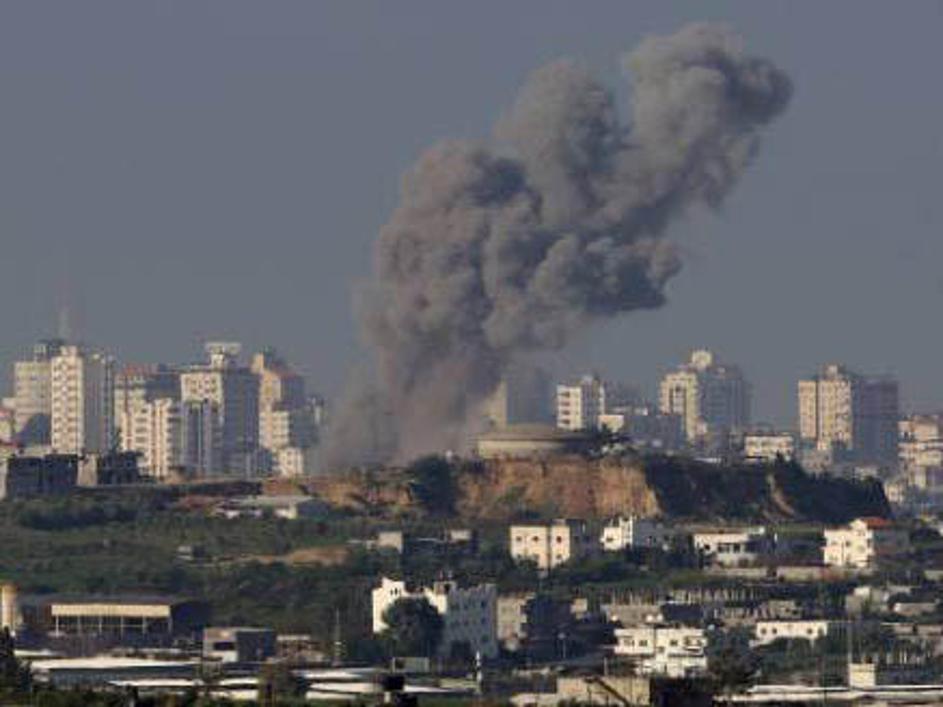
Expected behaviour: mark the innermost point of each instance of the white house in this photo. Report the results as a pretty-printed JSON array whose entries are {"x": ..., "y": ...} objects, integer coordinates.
[
  {"x": 550, "y": 545},
  {"x": 865, "y": 543},
  {"x": 766, "y": 632},
  {"x": 734, "y": 547},
  {"x": 469, "y": 614},
  {"x": 672, "y": 651},
  {"x": 633, "y": 532}
]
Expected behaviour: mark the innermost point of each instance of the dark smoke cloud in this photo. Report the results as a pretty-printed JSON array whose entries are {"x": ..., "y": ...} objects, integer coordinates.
[{"x": 509, "y": 247}]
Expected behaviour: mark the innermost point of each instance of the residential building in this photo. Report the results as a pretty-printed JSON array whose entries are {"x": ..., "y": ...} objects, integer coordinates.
[
  {"x": 202, "y": 444},
  {"x": 530, "y": 441},
  {"x": 843, "y": 412},
  {"x": 234, "y": 390},
  {"x": 645, "y": 426},
  {"x": 550, "y": 545},
  {"x": 469, "y": 615},
  {"x": 238, "y": 644},
  {"x": 632, "y": 532},
  {"x": 7, "y": 423},
  {"x": 82, "y": 398},
  {"x": 764, "y": 447},
  {"x": 712, "y": 399},
  {"x": 920, "y": 450},
  {"x": 766, "y": 632},
  {"x": 580, "y": 404},
  {"x": 32, "y": 394},
  {"x": 111, "y": 469},
  {"x": 286, "y": 507},
  {"x": 155, "y": 430},
  {"x": 293, "y": 462},
  {"x": 865, "y": 543},
  {"x": 733, "y": 547},
  {"x": 33, "y": 477},
  {"x": 668, "y": 650},
  {"x": 139, "y": 385},
  {"x": 531, "y": 624}
]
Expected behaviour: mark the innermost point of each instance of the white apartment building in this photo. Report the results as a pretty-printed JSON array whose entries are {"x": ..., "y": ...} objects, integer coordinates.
[
  {"x": 32, "y": 394},
  {"x": 710, "y": 398},
  {"x": 733, "y": 547},
  {"x": 550, "y": 545},
  {"x": 82, "y": 400},
  {"x": 468, "y": 614},
  {"x": 920, "y": 448},
  {"x": 767, "y": 447},
  {"x": 235, "y": 392},
  {"x": 293, "y": 462},
  {"x": 865, "y": 543},
  {"x": 139, "y": 384},
  {"x": 580, "y": 405},
  {"x": 840, "y": 410},
  {"x": 766, "y": 632},
  {"x": 670, "y": 651},
  {"x": 155, "y": 430},
  {"x": 633, "y": 532}
]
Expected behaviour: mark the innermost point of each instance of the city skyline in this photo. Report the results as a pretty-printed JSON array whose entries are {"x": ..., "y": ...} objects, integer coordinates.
[{"x": 255, "y": 269}]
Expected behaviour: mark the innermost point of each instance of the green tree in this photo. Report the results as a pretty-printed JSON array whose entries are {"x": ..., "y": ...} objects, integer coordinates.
[
  {"x": 414, "y": 627},
  {"x": 15, "y": 678}
]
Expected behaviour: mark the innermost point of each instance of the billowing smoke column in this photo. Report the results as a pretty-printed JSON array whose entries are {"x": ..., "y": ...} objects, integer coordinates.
[{"x": 505, "y": 248}]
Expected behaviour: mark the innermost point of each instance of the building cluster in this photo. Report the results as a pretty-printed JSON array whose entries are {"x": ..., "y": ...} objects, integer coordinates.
[{"x": 213, "y": 418}]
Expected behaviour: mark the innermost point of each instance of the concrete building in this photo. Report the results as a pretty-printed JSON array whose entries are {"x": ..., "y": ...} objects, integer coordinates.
[
  {"x": 764, "y": 447},
  {"x": 920, "y": 449},
  {"x": 286, "y": 507},
  {"x": 645, "y": 426},
  {"x": 286, "y": 420},
  {"x": 530, "y": 441},
  {"x": 34, "y": 477},
  {"x": 293, "y": 462},
  {"x": 733, "y": 547},
  {"x": 632, "y": 532},
  {"x": 550, "y": 545},
  {"x": 7, "y": 422},
  {"x": 126, "y": 619},
  {"x": 712, "y": 399},
  {"x": 580, "y": 404},
  {"x": 238, "y": 644},
  {"x": 202, "y": 443},
  {"x": 111, "y": 469},
  {"x": 845, "y": 413},
  {"x": 234, "y": 390},
  {"x": 155, "y": 430},
  {"x": 766, "y": 632},
  {"x": 82, "y": 399},
  {"x": 32, "y": 394},
  {"x": 671, "y": 651},
  {"x": 469, "y": 615},
  {"x": 865, "y": 543}
]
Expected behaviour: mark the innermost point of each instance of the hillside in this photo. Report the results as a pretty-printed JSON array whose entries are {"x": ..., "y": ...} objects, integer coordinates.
[{"x": 503, "y": 490}]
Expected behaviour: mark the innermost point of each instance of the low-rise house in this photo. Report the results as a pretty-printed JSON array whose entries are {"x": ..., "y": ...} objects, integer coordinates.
[
  {"x": 238, "y": 644},
  {"x": 550, "y": 545},
  {"x": 865, "y": 543},
  {"x": 767, "y": 632},
  {"x": 287, "y": 507},
  {"x": 633, "y": 532},
  {"x": 733, "y": 547},
  {"x": 659, "y": 649},
  {"x": 531, "y": 624},
  {"x": 111, "y": 469},
  {"x": 768, "y": 446},
  {"x": 469, "y": 614}
]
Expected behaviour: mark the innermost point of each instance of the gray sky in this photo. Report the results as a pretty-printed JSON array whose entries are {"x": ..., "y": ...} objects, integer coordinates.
[{"x": 192, "y": 170}]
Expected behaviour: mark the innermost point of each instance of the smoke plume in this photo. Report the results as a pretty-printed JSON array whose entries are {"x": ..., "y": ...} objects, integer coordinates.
[{"x": 511, "y": 246}]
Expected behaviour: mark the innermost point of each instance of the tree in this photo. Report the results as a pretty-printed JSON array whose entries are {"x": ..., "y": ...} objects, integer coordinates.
[
  {"x": 414, "y": 627},
  {"x": 14, "y": 676},
  {"x": 732, "y": 663}
]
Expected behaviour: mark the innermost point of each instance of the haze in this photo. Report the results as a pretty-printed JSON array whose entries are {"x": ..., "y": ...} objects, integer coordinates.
[{"x": 181, "y": 171}]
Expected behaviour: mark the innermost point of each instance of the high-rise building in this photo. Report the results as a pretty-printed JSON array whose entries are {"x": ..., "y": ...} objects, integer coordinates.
[
  {"x": 579, "y": 405},
  {"x": 32, "y": 394},
  {"x": 843, "y": 412},
  {"x": 202, "y": 438},
  {"x": 711, "y": 398},
  {"x": 286, "y": 420},
  {"x": 139, "y": 384},
  {"x": 234, "y": 390},
  {"x": 82, "y": 401},
  {"x": 155, "y": 430}
]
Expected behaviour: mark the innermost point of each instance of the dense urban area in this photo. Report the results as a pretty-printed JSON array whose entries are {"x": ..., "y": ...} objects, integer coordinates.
[{"x": 171, "y": 537}]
